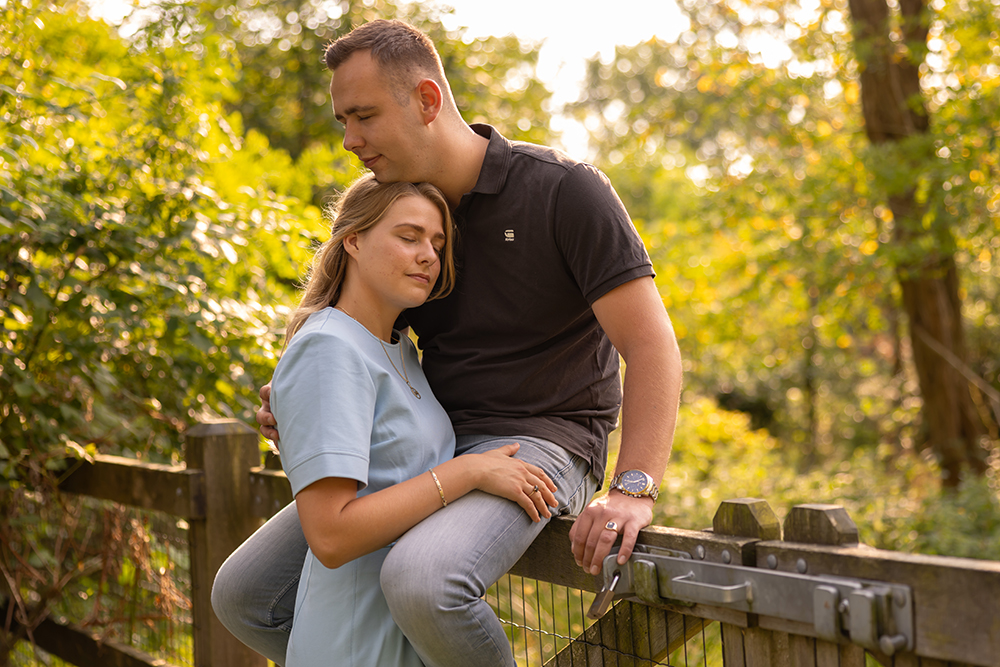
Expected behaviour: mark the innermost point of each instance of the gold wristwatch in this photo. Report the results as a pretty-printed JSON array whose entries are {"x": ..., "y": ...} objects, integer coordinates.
[{"x": 635, "y": 483}]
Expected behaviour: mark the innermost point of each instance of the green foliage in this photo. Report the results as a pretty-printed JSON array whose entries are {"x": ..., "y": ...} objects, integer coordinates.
[
  {"x": 740, "y": 151},
  {"x": 141, "y": 271},
  {"x": 892, "y": 495}
]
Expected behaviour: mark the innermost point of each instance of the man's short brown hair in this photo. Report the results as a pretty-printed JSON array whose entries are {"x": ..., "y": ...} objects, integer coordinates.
[{"x": 402, "y": 52}]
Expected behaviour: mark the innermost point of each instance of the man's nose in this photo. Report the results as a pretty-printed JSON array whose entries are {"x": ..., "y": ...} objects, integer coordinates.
[{"x": 352, "y": 138}]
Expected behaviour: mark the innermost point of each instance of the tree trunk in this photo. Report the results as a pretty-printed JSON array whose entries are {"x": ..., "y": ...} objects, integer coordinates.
[{"x": 894, "y": 114}]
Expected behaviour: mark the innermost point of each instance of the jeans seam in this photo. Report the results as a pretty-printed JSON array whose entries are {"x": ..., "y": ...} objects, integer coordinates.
[
  {"x": 475, "y": 567},
  {"x": 287, "y": 627},
  {"x": 581, "y": 486}
]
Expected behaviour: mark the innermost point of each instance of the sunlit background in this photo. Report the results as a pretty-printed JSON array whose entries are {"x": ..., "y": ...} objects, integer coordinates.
[{"x": 569, "y": 32}]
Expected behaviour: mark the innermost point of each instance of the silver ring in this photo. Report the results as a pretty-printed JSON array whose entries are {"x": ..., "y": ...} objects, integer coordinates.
[
  {"x": 534, "y": 490},
  {"x": 611, "y": 525}
]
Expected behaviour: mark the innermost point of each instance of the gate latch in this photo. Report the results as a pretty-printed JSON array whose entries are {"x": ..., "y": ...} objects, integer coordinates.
[{"x": 876, "y": 615}]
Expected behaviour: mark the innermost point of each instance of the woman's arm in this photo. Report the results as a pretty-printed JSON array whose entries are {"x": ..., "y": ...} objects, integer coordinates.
[{"x": 340, "y": 526}]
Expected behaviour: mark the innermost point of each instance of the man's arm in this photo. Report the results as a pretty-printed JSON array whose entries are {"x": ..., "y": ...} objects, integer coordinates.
[{"x": 633, "y": 317}]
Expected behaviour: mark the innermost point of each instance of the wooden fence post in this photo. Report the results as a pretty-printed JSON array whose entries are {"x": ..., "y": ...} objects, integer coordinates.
[
  {"x": 829, "y": 525},
  {"x": 751, "y": 646},
  {"x": 225, "y": 451}
]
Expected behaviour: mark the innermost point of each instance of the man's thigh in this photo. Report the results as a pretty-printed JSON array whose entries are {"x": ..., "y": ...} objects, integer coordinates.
[{"x": 477, "y": 538}]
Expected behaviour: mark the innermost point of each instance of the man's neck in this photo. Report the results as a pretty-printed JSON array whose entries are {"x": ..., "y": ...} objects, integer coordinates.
[{"x": 461, "y": 161}]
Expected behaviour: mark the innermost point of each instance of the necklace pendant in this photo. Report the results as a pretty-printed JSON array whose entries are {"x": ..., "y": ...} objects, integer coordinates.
[{"x": 415, "y": 392}]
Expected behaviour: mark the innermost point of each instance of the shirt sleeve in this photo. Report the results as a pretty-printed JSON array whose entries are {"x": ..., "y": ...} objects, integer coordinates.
[
  {"x": 595, "y": 234},
  {"x": 323, "y": 398}
]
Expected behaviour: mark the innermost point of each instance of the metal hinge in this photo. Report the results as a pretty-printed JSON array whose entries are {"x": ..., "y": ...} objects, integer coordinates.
[{"x": 874, "y": 614}]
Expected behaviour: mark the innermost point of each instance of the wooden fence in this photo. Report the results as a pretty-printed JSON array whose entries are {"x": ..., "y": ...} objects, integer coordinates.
[{"x": 951, "y": 605}]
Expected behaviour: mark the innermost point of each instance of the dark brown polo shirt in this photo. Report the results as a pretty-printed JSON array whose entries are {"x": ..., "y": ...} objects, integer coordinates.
[{"x": 515, "y": 349}]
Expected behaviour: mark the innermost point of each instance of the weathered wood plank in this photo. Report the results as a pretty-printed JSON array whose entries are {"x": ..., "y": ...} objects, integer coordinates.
[
  {"x": 747, "y": 517},
  {"x": 765, "y": 648},
  {"x": 820, "y": 524},
  {"x": 903, "y": 660},
  {"x": 802, "y": 651},
  {"x": 78, "y": 647},
  {"x": 269, "y": 490},
  {"x": 852, "y": 656},
  {"x": 732, "y": 646},
  {"x": 171, "y": 489},
  {"x": 827, "y": 654},
  {"x": 956, "y": 609}
]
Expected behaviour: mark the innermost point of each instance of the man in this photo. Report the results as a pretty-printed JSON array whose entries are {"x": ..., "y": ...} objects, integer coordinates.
[{"x": 553, "y": 284}]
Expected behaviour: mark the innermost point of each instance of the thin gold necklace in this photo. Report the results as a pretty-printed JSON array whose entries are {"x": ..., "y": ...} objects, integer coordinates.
[{"x": 402, "y": 360}]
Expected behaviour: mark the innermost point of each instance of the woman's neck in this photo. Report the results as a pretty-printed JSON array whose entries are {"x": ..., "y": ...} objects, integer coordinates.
[{"x": 378, "y": 321}]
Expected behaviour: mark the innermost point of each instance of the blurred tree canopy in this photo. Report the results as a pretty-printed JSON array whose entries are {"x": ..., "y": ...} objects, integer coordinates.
[{"x": 803, "y": 261}]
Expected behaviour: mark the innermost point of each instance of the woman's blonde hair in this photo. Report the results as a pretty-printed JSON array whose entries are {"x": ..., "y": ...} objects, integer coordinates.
[{"x": 358, "y": 209}]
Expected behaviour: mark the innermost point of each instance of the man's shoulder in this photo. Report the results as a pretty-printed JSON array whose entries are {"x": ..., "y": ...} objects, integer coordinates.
[
  {"x": 522, "y": 166},
  {"x": 550, "y": 167},
  {"x": 545, "y": 154}
]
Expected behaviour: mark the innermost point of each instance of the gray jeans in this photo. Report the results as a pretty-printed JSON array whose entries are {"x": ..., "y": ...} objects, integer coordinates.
[{"x": 433, "y": 579}]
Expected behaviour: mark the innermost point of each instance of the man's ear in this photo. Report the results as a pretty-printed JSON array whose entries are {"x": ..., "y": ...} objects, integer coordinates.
[{"x": 431, "y": 99}]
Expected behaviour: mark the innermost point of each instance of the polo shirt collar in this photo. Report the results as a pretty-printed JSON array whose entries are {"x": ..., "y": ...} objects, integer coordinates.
[{"x": 496, "y": 163}]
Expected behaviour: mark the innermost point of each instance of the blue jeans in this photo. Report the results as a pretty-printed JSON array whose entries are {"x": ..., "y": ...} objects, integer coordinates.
[{"x": 433, "y": 579}]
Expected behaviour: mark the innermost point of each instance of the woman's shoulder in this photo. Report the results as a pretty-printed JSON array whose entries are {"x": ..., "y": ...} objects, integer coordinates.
[
  {"x": 323, "y": 333},
  {"x": 327, "y": 323}
]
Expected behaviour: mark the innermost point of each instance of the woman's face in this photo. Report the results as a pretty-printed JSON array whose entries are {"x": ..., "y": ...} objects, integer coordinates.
[{"x": 399, "y": 259}]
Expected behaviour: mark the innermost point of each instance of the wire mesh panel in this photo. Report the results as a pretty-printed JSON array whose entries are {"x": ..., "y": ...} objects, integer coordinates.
[
  {"x": 547, "y": 626},
  {"x": 134, "y": 582}
]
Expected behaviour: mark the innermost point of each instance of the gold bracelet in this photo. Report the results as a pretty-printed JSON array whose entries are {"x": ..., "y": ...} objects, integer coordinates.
[{"x": 444, "y": 503}]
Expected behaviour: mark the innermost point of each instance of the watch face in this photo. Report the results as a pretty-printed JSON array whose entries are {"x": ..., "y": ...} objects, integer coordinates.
[{"x": 635, "y": 481}]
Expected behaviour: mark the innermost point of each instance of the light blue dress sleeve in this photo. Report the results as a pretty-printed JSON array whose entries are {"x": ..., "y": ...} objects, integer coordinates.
[{"x": 323, "y": 398}]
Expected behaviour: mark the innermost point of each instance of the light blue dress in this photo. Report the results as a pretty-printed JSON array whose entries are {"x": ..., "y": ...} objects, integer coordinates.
[{"x": 345, "y": 412}]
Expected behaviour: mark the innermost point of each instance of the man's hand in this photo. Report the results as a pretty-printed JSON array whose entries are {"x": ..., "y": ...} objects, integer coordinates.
[
  {"x": 592, "y": 540},
  {"x": 264, "y": 416}
]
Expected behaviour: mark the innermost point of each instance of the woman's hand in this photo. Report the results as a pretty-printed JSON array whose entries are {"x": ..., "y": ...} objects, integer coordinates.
[{"x": 500, "y": 474}]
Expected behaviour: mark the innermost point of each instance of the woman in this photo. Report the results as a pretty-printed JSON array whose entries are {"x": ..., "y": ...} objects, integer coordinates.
[{"x": 367, "y": 448}]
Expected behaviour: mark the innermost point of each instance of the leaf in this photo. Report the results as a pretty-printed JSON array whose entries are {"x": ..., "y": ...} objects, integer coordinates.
[{"x": 111, "y": 79}]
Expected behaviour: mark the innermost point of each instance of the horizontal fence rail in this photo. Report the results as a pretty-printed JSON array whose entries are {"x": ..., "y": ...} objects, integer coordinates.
[{"x": 951, "y": 604}]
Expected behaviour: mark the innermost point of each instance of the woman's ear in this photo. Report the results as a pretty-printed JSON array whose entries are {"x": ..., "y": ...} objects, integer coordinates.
[{"x": 351, "y": 244}]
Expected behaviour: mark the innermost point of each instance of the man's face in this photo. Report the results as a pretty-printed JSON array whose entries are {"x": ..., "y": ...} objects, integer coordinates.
[{"x": 384, "y": 134}]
